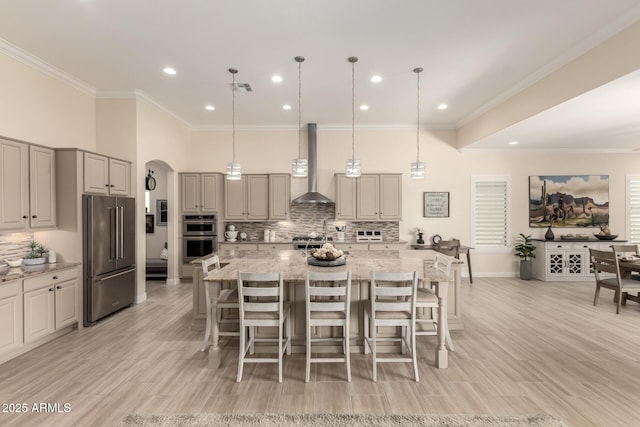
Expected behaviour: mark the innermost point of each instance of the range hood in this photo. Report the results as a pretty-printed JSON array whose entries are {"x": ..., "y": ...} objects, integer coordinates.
[{"x": 312, "y": 196}]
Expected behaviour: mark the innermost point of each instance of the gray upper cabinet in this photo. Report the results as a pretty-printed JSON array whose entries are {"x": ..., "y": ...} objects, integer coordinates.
[
  {"x": 371, "y": 197},
  {"x": 104, "y": 175},
  {"x": 247, "y": 199},
  {"x": 27, "y": 186},
  {"x": 279, "y": 196},
  {"x": 200, "y": 192}
]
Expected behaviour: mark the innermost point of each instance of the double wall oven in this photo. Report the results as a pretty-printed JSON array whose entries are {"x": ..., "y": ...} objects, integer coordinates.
[{"x": 199, "y": 236}]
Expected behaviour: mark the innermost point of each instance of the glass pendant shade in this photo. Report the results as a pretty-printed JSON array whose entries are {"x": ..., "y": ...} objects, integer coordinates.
[
  {"x": 299, "y": 168},
  {"x": 353, "y": 168},
  {"x": 233, "y": 171},
  {"x": 418, "y": 170}
]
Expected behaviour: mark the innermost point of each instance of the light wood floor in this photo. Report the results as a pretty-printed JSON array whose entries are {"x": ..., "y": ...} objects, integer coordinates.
[{"x": 527, "y": 347}]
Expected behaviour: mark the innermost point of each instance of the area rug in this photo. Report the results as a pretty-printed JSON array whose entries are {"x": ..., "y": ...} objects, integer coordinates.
[{"x": 339, "y": 420}]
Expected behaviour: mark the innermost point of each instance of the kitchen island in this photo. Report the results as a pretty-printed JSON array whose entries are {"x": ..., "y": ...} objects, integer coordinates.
[{"x": 293, "y": 265}]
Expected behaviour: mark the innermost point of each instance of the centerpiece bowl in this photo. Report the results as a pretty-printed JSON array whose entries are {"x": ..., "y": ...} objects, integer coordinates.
[
  {"x": 326, "y": 256},
  {"x": 606, "y": 236}
]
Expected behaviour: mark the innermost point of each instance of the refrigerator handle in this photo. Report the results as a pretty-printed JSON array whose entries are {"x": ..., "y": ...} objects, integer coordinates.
[
  {"x": 117, "y": 232},
  {"x": 121, "y": 226},
  {"x": 113, "y": 245}
]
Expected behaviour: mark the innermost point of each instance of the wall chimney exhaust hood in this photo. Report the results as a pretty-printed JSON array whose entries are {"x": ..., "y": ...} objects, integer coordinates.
[{"x": 312, "y": 196}]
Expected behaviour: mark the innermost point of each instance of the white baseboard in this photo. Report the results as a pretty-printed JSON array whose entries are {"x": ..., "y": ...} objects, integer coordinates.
[
  {"x": 173, "y": 282},
  {"x": 141, "y": 298}
]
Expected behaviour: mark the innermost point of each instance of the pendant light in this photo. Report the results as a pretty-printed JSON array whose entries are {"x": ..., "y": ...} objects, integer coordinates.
[
  {"x": 233, "y": 168},
  {"x": 418, "y": 168},
  {"x": 299, "y": 166},
  {"x": 353, "y": 164}
]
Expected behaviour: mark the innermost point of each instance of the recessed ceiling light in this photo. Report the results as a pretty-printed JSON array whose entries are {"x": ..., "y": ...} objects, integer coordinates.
[
  {"x": 443, "y": 107},
  {"x": 514, "y": 142},
  {"x": 376, "y": 79},
  {"x": 364, "y": 107},
  {"x": 170, "y": 71},
  {"x": 276, "y": 79},
  {"x": 286, "y": 107},
  {"x": 210, "y": 107}
]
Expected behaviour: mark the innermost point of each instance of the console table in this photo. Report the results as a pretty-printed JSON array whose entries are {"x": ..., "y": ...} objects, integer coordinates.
[
  {"x": 566, "y": 260},
  {"x": 463, "y": 250}
]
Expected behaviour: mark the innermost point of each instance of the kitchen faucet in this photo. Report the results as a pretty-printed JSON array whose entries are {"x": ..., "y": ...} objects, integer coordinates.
[{"x": 324, "y": 230}]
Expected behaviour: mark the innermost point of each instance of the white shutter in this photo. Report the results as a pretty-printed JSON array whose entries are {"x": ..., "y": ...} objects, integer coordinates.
[
  {"x": 491, "y": 211},
  {"x": 633, "y": 208}
]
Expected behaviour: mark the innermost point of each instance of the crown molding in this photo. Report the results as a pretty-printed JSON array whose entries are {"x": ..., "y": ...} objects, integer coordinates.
[
  {"x": 142, "y": 96},
  {"x": 578, "y": 50},
  {"x": 36, "y": 63},
  {"x": 511, "y": 150},
  {"x": 327, "y": 127}
]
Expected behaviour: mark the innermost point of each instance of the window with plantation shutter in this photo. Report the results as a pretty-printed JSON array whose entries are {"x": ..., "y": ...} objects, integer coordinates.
[
  {"x": 491, "y": 211},
  {"x": 633, "y": 208}
]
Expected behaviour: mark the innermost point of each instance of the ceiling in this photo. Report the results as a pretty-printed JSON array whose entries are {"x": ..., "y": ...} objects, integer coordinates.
[{"x": 474, "y": 54}]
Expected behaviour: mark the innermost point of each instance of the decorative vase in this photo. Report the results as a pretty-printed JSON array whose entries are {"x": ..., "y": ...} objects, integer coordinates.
[
  {"x": 420, "y": 240},
  {"x": 549, "y": 234},
  {"x": 34, "y": 261}
]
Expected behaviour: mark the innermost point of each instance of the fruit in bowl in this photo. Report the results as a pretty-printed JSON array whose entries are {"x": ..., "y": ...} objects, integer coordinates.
[
  {"x": 327, "y": 252},
  {"x": 14, "y": 262}
]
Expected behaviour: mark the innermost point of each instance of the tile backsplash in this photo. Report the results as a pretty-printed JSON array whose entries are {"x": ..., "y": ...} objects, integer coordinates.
[
  {"x": 14, "y": 245},
  {"x": 306, "y": 218}
]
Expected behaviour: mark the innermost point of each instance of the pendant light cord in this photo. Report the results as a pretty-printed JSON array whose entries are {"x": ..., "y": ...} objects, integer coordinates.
[
  {"x": 299, "y": 109},
  {"x": 233, "y": 114},
  {"x": 353, "y": 109},
  {"x": 418, "y": 118}
]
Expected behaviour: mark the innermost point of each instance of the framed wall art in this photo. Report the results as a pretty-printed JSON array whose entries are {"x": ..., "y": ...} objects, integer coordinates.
[
  {"x": 568, "y": 200},
  {"x": 436, "y": 204},
  {"x": 149, "y": 224},
  {"x": 161, "y": 212}
]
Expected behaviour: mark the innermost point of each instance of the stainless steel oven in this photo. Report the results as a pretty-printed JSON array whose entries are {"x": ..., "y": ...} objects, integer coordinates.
[
  {"x": 199, "y": 225},
  {"x": 194, "y": 247},
  {"x": 199, "y": 236}
]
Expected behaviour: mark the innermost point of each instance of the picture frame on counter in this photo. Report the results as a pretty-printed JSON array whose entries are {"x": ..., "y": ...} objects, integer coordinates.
[{"x": 436, "y": 204}]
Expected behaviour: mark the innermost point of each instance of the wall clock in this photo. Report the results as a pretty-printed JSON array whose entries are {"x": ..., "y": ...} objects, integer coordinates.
[
  {"x": 436, "y": 239},
  {"x": 150, "y": 183}
]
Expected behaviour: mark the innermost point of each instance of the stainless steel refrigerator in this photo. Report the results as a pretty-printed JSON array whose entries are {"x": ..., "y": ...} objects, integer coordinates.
[{"x": 109, "y": 255}]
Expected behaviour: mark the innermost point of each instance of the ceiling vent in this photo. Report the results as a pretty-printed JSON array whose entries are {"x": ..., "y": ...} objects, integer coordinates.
[{"x": 241, "y": 87}]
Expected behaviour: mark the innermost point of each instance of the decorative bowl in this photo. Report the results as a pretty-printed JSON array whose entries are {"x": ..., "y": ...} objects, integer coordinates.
[
  {"x": 605, "y": 236},
  {"x": 17, "y": 262},
  {"x": 34, "y": 261}
]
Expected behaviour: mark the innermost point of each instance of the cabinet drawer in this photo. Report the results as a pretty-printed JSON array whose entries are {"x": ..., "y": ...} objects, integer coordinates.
[
  {"x": 10, "y": 289},
  {"x": 275, "y": 246},
  {"x": 552, "y": 246},
  {"x": 352, "y": 246},
  {"x": 237, "y": 247},
  {"x": 386, "y": 246},
  {"x": 584, "y": 246},
  {"x": 49, "y": 279}
]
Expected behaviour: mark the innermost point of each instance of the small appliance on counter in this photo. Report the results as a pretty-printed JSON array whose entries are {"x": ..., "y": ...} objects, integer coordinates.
[
  {"x": 243, "y": 236},
  {"x": 368, "y": 236},
  {"x": 232, "y": 235}
]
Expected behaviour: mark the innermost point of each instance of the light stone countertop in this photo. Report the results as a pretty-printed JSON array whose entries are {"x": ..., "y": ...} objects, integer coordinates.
[
  {"x": 294, "y": 265},
  {"x": 353, "y": 240},
  {"x": 24, "y": 271}
]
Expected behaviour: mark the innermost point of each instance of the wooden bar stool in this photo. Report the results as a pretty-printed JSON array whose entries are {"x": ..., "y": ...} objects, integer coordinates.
[{"x": 427, "y": 299}]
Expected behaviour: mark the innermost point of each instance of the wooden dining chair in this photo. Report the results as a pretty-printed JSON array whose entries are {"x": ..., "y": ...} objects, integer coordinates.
[
  {"x": 226, "y": 299},
  {"x": 327, "y": 302},
  {"x": 604, "y": 262},
  {"x": 449, "y": 247},
  {"x": 262, "y": 304},
  {"x": 392, "y": 303},
  {"x": 426, "y": 299}
]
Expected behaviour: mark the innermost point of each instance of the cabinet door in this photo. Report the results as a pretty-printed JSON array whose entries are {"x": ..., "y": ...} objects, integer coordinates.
[
  {"x": 575, "y": 263},
  {"x": 119, "y": 177},
  {"x": 190, "y": 192},
  {"x": 209, "y": 196},
  {"x": 42, "y": 187},
  {"x": 10, "y": 317},
  {"x": 66, "y": 303},
  {"x": 279, "y": 196},
  {"x": 96, "y": 174},
  {"x": 345, "y": 197},
  {"x": 234, "y": 199},
  {"x": 38, "y": 313},
  {"x": 368, "y": 197},
  {"x": 556, "y": 263},
  {"x": 257, "y": 197},
  {"x": 390, "y": 197},
  {"x": 14, "y": 185}
]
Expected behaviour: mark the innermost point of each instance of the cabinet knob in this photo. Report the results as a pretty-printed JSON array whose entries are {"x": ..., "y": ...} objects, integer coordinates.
[
  {"x": 58, "y": 287},
  {"x": 106, "y": 185},
  {"x": 50, "y": 289},
  {"x": 34, "y": 216},
  {"x": 55, "y": 277},
  {"x": 25, "y": 216},
  {"x": 111, "y": 185}
]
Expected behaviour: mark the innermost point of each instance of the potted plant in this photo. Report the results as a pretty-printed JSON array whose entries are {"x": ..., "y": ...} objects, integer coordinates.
[
  {"x": 36, "y": 254},
  {"x": 524, "y": 250}
]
